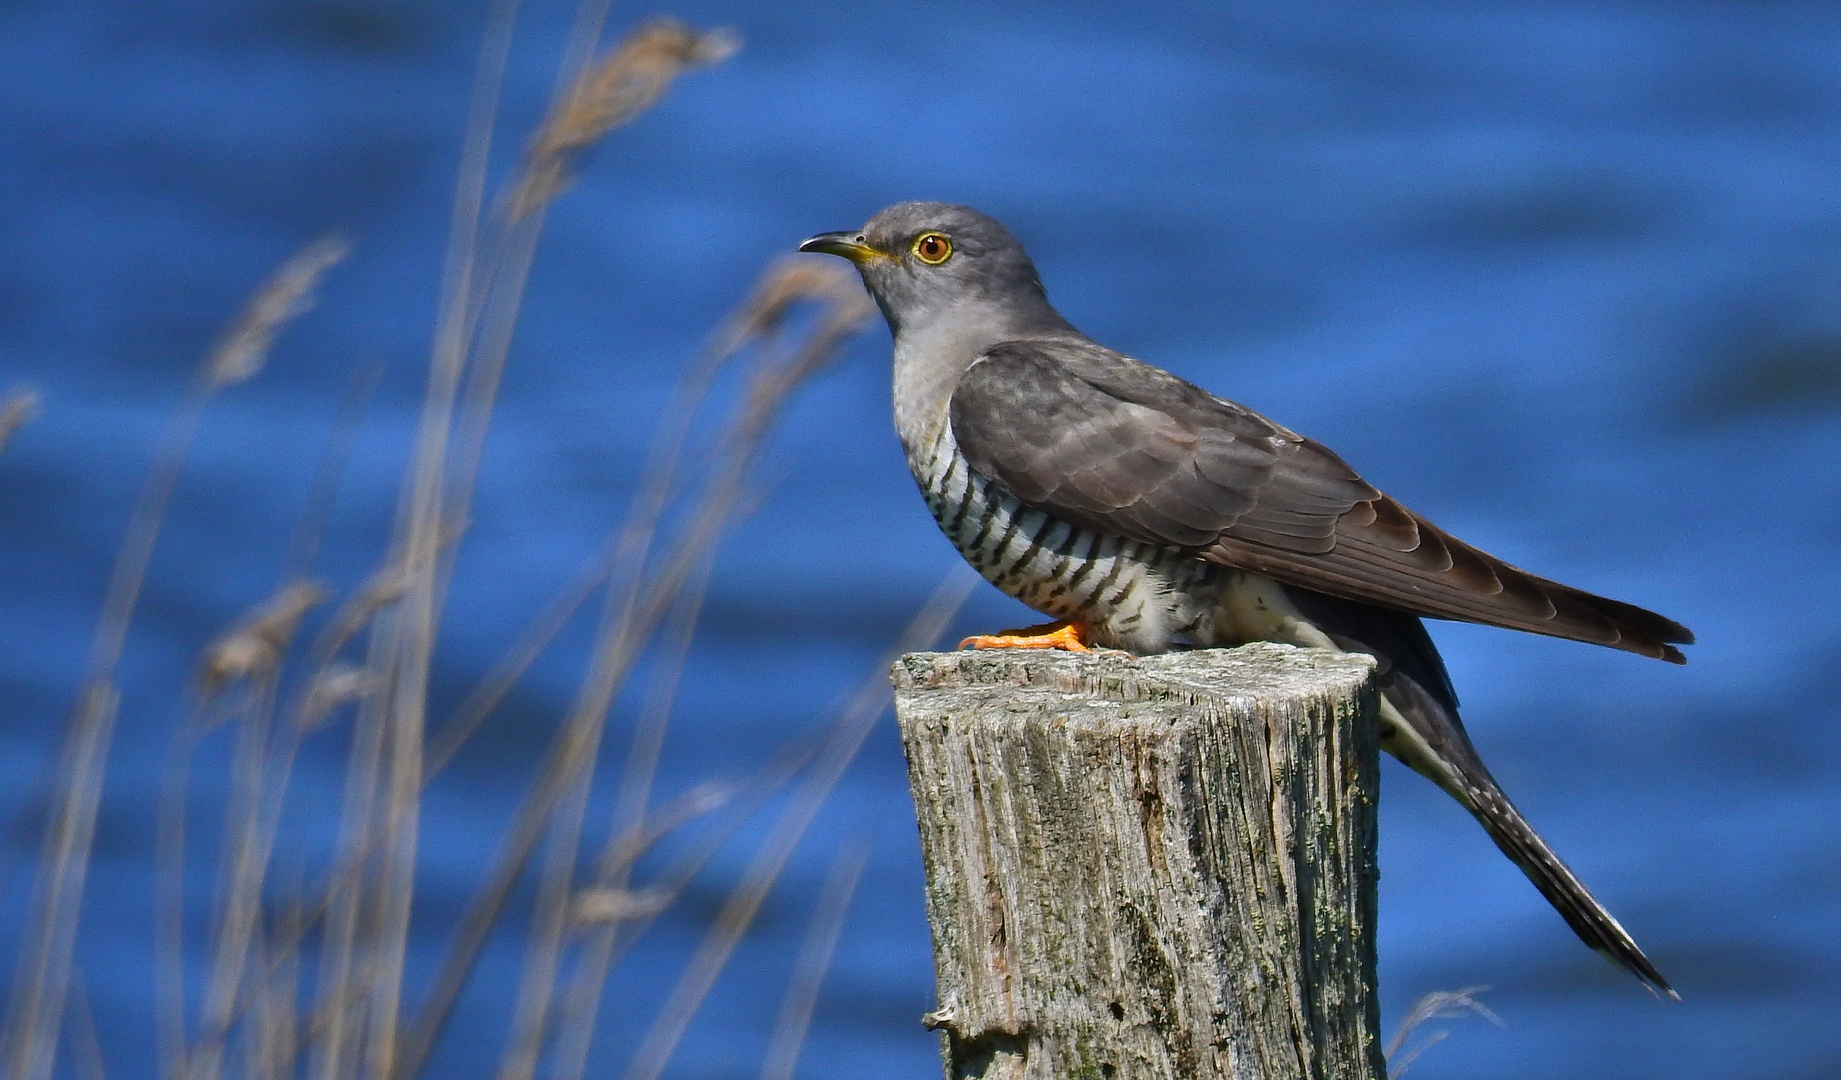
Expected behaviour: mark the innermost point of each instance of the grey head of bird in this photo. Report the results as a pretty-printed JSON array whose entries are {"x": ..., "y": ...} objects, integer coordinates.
[{"x": 925, "y": 262}]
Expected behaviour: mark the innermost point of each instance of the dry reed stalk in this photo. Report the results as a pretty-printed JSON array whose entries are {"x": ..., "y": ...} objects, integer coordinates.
[
  {"x": 329, "y": 472},
  {"x": 552, "y": 918},
  {"x": 782, "y": 287},
  {"x": 277, "y": 984},
  {"x": 846, "y": 309},
  {"x": 444, "y": 471},
  {"x": 680, "y": 812},
  {"x": 249, "y": 653},
  {"x": 607, "y": 901},
  {"x": 612, "y": 915},
  {"x": 543, "y": 955},
  {"x": 169, "y": 901},
  {"x": 257, "y": 1040},
  {"x": 635, "y": 792},
  {"x": 585, "y": 33},
  {"x": 456, "y": 319},
  {"x": 403, "y": 647},
  {"x": 346, "y": 968},
  {"x": 341, "y": 980},
  {"x": 1437, "y": 1005},
  {"x": 361, "y": 975},
  {"x": 815, "y": 954},
  {"x": 403, "y": 643},
  {"x": 36, "y": 1006},
  {"x": 243, "y": 866},
  {"x": 636, "y": 607},
  {"x": 700, "y": 801},
  {"x": 840, "y": 748},
  {"x": 20, "y": 407},
  {"x": 87, "y": 1046},
  {"x": 251, "y": 819},
  {"x": 42, "y": 976},
  {"x": 549, "y": 919},
  {"x": 335, "y": 685},
  {"x": 568, "y": 756},
  {"x": 361, "y": 968},
  {"x": 759, "y": 317},
  {"x": 484, "y": 912},
  {"x": 598, "y": 98},
  {"x": 467, "y": 298},
  {"x": 357, "y": 956},
  {"x": 648, "y": 741},
  {"x": 451, "y": 734}
]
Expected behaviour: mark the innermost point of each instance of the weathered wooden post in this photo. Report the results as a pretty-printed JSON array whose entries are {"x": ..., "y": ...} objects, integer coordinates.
[{"x": 1160, "y": 867}]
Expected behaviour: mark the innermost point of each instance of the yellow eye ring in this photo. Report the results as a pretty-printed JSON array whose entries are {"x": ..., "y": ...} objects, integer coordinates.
[{"x": 933, "y": 248}]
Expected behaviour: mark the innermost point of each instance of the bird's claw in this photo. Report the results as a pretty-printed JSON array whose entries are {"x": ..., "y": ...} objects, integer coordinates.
[{"x": 1067, "y": 636}]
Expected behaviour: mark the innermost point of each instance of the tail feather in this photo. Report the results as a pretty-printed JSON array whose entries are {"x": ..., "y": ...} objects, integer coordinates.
[
  {"x": 1568, "y": 895},
  {"x": 1425, "y": 733}
]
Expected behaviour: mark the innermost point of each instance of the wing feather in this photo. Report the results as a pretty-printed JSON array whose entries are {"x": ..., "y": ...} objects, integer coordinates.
[{"x": 1116, "y": 446}]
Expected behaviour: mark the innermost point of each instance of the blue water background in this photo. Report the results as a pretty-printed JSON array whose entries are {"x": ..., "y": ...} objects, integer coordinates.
[{"x": 1566, "y": 278}]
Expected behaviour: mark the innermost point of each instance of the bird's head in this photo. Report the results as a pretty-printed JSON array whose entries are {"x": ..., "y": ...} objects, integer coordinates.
[{"x": 924, "y": 261}]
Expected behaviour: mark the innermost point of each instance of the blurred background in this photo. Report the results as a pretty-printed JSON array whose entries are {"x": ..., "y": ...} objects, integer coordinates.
[{"x": 1564, "y": 278}]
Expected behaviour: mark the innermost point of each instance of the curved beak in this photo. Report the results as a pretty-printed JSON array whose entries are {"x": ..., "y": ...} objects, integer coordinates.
[{"x": 849, "y": 245}]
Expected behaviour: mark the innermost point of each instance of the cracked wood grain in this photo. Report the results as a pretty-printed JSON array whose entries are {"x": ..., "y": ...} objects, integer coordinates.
[{"x": 1151, "y": 867}]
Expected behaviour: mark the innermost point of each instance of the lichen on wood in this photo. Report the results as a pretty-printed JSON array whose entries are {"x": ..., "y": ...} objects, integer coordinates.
[{"x": 1148, "y": 867}]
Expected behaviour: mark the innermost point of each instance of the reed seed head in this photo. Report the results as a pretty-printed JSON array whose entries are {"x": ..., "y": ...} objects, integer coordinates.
[
  {"x": 337, "y": 686},
  {"x": 287, "y": 293},
  {"x": 255, "y": 645},
  {"x": 625, "y": 82},
  {"x": 602, "y": 906}
]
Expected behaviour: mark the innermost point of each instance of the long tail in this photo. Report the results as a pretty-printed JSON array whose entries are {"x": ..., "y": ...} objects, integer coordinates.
[
  {"x": 1561, "y": 887},
  {"x": 1420, "y": 726}
]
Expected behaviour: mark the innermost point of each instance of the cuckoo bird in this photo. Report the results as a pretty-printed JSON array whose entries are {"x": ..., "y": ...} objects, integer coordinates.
[{"x": 1142, "y": 512}]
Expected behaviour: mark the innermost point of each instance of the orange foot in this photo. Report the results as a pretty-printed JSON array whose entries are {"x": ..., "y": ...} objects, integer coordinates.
[{"x": 1071, "y": 636}]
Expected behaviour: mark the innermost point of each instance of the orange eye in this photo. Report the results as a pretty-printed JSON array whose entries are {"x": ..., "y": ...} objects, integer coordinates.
[{"x": 932, "y": 248}]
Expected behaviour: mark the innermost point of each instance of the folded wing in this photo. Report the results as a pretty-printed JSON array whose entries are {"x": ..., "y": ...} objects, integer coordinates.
[{"x": 1114, "y": 445}]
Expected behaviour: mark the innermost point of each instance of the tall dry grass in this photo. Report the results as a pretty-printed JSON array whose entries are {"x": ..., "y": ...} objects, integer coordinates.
[{"x": 298, "y": 976}]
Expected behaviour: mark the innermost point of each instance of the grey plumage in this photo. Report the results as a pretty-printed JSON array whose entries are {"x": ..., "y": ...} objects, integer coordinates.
[{"x": 1116, "y": 496}]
